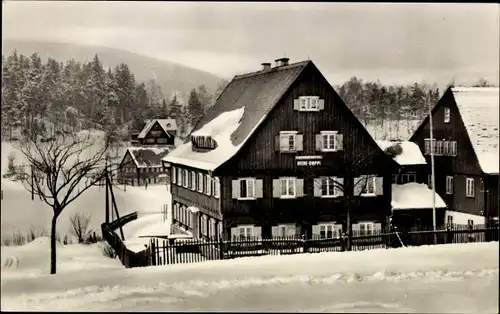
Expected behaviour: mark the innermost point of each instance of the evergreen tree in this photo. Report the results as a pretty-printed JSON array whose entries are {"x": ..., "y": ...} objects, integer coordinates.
[
  {"x": 205, "y": 98},
  {"x": 195, "y": 110}
]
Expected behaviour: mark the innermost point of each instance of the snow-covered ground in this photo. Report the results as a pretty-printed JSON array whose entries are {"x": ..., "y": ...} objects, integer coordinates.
[
  {"x": 458, "y": 278},
  {"x": 20, "y": 213}
]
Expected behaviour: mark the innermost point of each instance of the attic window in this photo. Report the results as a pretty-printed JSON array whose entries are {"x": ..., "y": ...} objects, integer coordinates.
[
  {"x": 205, "y": 142},
  {"x": 168, "y": 125},
  {"x": 447, "y": 115},
  {"x": 308, "y": 103}
]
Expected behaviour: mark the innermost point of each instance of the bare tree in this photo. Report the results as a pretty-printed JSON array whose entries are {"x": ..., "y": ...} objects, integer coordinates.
[
  {"x": 80, "y": 226},
  {"x": 62, "y": 169},
  {"x": 349, "y": 186}
]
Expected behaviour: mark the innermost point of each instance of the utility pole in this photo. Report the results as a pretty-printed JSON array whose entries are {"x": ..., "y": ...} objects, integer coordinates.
[
  {"x": 428, "y": 98},
  {"x": 107, "y": 191}
]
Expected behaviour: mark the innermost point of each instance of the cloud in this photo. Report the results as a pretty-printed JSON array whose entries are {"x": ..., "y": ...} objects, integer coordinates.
[{"x": 224, "y": 38}]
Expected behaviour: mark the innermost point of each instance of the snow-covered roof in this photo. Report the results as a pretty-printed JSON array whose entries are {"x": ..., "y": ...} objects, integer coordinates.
[
  {"x": 414, "y": 196},
  {"x": 220, "y": 129},
  {"x": 166, "y": 125},
  {"x": 147, "y": 157},
  {"x": 239, "y": 110},
  {"x": 410, "y": 154},
  {"x": 479, "y": 109}
]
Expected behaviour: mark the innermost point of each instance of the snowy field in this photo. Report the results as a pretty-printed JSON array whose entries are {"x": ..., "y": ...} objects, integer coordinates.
[
  {"x": 459, "y": 278},
  {"x": 19, "y": 213}
]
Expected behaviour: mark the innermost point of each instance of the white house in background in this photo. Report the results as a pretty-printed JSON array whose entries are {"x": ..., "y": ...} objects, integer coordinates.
[
  {"x": 411, "y": 195},
  {"x": 466, "y": 149}
]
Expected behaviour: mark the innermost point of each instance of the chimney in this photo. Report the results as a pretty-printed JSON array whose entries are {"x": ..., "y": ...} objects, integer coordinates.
[
  {"x": 281, "y": 62},
  {"x": 266, "y": 66}
]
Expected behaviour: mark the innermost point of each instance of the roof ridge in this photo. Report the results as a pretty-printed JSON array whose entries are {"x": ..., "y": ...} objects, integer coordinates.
[{"x": 272, "y": 70}]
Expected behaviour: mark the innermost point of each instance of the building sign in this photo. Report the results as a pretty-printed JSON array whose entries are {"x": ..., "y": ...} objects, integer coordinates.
[{"x": 308, "y": 160}]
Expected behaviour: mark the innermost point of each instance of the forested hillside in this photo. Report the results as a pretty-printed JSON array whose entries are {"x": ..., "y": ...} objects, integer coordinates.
[{"x": 85, "y": 95}]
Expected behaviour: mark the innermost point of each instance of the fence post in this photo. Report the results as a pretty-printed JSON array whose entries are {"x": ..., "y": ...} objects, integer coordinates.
[
  {"x": 153, "y": 252},
  {"x": 221, "y": 248},
  {"x": 449, "y": 234}
]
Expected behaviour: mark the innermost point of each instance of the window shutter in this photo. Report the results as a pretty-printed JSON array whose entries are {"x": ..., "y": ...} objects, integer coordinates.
[
  {"x": 355, "y": 229},
  {"x": 321, "y": 104},
  {"x": 340, "y": 141},
  {"x": 209, "y": 185},
  {"x": 317, "y": 187},
  {"x": 299, "y": 187},
  {"x": 339, "y": 190},
  {"x": 283, "y": 143},
  {"x": 276, "y": 187},
  {"x": 257, "y": 232},
  {"x": 234, "y": 232},
  {"x": 358, "y": 186},
  {"x": 291, "y": 231},
  {"x": 377, "y": 228},
  {"x": 259, "y": 193},
  {"x": 319, "y": 142},
  {"x": 454, "y": 148},
  {"x": 295, "y": 104},
  {"x": 315, "y": 231},
  {"x": 300, "y": 142},
  {"x": 236, "y": 189},
  {"x": 338, "y": 227},
  {"x": 379, "y": 186}
]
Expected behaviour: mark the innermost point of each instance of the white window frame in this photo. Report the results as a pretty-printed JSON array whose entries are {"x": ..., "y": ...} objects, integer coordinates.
[
  {"x": 288, "y": 135},
  {"x": 179, "y": 177},
  {"x": 249, "y": 188},
  {"x": 335, "y": 190},
  {"x": 447, "y": 115},
  {"x": 309, "y": 101},
  {"x": 216, "y": 187},
  {"x": 247, "y": 233},
  {"x": 288, "y": 180},
  {"x": 174, "y": 175},
  {"x": 209, "y": 185},
  {"x": 470, "y": 187},
  {"x": 193, "y": 180},
  {"x": 185, "y": 179},
  {"x": 369, "y": 177},
  {"x": 328, "y": 135},
  {"x": 449, "y": 185},
  {"x": 408, "y": 176},
  {"x": 367, "y": 231},
  {"x": 199, "y": 187},
  {"x": 325, "y": 226}
]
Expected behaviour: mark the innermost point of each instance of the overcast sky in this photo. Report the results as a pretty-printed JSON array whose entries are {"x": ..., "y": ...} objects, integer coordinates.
[{"x": 376, "y": 40}]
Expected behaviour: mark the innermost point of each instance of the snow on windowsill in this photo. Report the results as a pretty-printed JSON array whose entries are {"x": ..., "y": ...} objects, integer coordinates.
[
  {"x": 368, "y": 195},
  {"x": 246, "y": 198}
]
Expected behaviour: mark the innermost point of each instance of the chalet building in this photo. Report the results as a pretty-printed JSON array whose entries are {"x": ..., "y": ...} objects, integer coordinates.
[
  {"x": 158, "y": 132},
  {"x": 143, "y": 165},
  {"x": 411, "y": 196},
  {"x": 465, "y": 146},
  {"x": 279, "y": 154}
]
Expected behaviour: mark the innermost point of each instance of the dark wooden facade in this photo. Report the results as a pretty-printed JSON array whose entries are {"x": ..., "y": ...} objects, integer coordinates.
[
  {"x": 158, "y": 136},
  {"x": 259, "y": 159},
  {"x": 129, "y": 173},
  {"x": 463, "y": 165}
]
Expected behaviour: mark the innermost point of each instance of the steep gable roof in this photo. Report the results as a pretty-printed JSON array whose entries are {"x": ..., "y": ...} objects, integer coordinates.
[
  {"x": 166, "y": 125},
  {"x": 236, "y": 114},
  {"x": 479, "y": 109},
  {"x": 147, "y": 157}
]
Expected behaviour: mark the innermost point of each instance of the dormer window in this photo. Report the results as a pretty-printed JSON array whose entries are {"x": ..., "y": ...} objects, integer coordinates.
[
  {"x": 204, "y": 142},
  {"x": 308, "y": 103},
  {"x": 169, "y": 125},
  {"x": 447, "y": 115}
]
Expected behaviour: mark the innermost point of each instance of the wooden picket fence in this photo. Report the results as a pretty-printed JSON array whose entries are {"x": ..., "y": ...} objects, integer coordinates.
[{"x": 178, "y": 251}]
